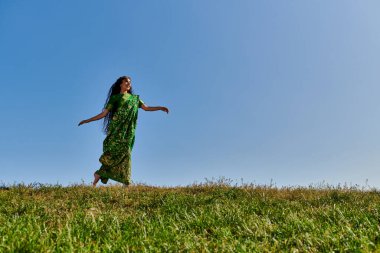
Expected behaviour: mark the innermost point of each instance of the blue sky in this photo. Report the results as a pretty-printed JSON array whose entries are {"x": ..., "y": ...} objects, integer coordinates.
[{"x": 282, "y": 91}]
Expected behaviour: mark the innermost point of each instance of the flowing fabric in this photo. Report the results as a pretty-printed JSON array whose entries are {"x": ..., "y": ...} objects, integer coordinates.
[{"x": 117, "y": 146}]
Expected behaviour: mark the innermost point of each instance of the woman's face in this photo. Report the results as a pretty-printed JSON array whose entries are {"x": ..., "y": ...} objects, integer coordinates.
[{"x": 125, "y": 85}]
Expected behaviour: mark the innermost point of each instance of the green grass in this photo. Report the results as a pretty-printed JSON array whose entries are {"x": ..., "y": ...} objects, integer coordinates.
[{"x": 208, "y": 217}]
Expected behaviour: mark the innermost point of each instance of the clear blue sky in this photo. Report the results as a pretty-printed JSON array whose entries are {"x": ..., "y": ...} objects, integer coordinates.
[{"x": 257, "y": 90}]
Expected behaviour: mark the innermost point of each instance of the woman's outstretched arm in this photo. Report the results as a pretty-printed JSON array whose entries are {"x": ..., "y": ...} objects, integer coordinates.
[
  {"x": 154, "y": 108},
  {"x": 99, "y": 116}
]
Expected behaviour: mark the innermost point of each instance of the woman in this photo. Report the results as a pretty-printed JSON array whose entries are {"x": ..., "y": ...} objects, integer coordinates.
[{"x": 120, "y": 118}]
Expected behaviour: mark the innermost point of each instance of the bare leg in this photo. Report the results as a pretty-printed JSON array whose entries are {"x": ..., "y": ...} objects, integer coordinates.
[{"x": 96, "y": 179}]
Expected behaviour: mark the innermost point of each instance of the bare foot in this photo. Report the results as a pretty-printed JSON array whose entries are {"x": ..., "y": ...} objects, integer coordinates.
[{"x": 96, "y": 179}]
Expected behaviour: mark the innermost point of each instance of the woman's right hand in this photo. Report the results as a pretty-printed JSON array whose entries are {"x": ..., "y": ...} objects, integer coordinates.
[
  {"x": 99, "y": 116},
  {"x": 82, "y": 122}
]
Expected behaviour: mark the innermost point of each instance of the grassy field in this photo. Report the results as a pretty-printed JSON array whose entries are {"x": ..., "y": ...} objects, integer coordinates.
[{"x": 207, "y": 217}]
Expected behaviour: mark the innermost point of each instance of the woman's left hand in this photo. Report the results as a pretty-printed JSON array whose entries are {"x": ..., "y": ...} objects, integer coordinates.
[{"x": 165, "y": 109}]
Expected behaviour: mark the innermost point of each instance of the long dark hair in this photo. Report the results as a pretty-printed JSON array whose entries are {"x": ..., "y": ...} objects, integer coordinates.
[{"x": 115, "y": 89}]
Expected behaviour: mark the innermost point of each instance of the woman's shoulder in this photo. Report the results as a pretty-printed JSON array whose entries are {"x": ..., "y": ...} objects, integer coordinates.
[{"x": 115, "y": 96}]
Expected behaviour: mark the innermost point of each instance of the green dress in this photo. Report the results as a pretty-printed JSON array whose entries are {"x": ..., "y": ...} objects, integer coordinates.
[{"x": 117, "y": 146}]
